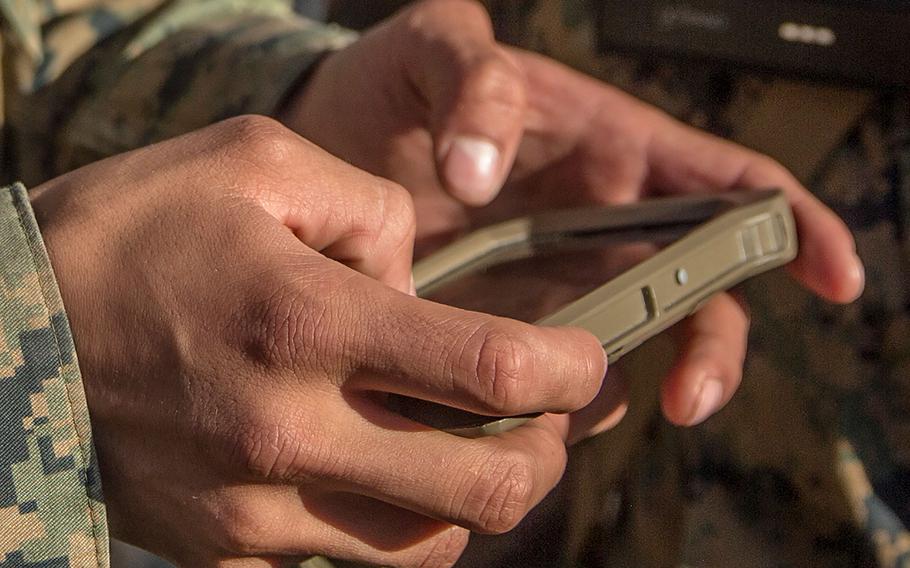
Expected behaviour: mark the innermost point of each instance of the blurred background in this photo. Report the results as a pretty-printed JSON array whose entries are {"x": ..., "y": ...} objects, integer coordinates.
[{"x": 822, "y": 87}]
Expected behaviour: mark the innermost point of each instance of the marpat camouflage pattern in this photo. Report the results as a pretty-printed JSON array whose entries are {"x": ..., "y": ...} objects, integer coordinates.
[
  {"x": 82, "y": 80},
  {"x": 808, "y": 466},
  {"x": 51, "y": 509}
]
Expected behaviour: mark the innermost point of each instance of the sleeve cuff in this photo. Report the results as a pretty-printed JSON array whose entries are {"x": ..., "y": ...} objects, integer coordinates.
[{"x": 51, "y": 508}]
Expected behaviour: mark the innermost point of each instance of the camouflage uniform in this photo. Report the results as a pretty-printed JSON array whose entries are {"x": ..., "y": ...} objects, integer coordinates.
[
  {"x": 808, "y": 466},
  {"x": 51, "y": 511},
  {"x": 82, "y": 80}
]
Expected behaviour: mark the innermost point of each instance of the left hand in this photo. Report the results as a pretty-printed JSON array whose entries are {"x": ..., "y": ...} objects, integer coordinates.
[{"x": 430, "y": 100}]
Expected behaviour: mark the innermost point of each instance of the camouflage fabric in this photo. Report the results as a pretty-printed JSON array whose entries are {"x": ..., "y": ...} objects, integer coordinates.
[
  {"x": 87, "y": 79},
  {"x": 81, "y": 80},
  {"x": 810, "y": 463},
  {"x": 51, "y": 508}
]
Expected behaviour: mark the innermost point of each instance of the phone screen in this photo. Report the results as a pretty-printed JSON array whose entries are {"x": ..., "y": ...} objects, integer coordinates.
[{"x": 532, "y": 282}]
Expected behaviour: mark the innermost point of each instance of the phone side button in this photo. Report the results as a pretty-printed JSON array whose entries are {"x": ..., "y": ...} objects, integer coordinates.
[{"x": 620, "y": 317}]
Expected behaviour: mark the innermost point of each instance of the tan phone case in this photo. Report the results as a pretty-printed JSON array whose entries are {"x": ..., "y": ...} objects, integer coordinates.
[{"x": 737, "y": 235}]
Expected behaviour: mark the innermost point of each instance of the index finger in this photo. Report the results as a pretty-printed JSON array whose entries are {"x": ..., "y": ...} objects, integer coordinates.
[
  {"x": 686, "y": 160},
  {"x": 472, "y": 361}
]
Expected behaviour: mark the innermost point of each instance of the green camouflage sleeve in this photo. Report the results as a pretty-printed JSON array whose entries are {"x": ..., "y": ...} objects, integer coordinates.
[
  {"x": 51, "y": 509},
  {"x": 110, "y": 76},
  {"x": 82, "y": 80}
]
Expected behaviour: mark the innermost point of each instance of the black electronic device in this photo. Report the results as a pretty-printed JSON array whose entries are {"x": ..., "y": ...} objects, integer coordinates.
[{"x": 864, "y": 41}]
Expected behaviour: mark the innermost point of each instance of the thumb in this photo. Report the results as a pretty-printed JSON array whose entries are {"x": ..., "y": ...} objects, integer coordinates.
[{"x": 476, "y": 96}]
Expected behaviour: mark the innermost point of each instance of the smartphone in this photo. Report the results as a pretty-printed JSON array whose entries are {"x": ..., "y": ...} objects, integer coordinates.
[{"x": 625, "y": 273}]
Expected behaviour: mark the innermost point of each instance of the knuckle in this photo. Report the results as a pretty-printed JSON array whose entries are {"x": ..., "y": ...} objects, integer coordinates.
[
  {"x": 291, "y": 325},
  {"x": 280, "y": 449},
  {"x": 496, "y": 81},
  {"x": 620, "y": 147},
  {"x": 398, "y": 202},
  {"x": 262, "y": 140},
  {"x": 446, "y": 550},
  {"x": 586, "y": 380},
  {"x": 469, "y": 13},
  {"x": 398, "y": 218},
  {"x": 500, "y": 362},
  {"x": 263, "y": 452},
  {"x": 764, "y": 170},
  {"x": 240, "y": 529},
  {"x": 498, "y": 501},
  {"x": 767, "y": 162}
]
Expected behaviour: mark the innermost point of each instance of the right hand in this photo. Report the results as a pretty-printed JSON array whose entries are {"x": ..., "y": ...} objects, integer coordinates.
[
  {"x": 234, "y": 371},
  {"x": 454, "y": 116}
]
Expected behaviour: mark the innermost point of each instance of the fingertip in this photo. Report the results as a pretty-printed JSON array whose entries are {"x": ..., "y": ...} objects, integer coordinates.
[
  {"x": 709, "y": 367},
  {"x": 594, "y": 353},
  {"x": 827, "y": 263},
  {"x": 834, "y": 274},
  {"x": 853, "y": 281},
  {"x": 599, "y": 361},
  {"x": 674, "y": 403},
  {"x": 575, "y": 355},
  {"x": 697, "y": 390},
  {"x": 848, "y": 283},
  {"x": 608, "y": 422},
  {"x": 471, "y": 169},
  {"x": 605, "y": 412},
  {"x": 856, "y": 279},
  {"x": 478, "y": 115},
  {"x": 709, "y": 400}
]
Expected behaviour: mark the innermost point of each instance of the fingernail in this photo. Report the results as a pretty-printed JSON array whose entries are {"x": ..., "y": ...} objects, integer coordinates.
[
  {"x": 709, "y": 401},
  {"x": 859, "y": 273},
  {"x": 471, "y": 168},
  {"x": 413, "y": 291}
]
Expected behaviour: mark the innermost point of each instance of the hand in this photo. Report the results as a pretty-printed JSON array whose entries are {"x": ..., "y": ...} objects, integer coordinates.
[
  {"x": 239, "y": 304},
  {"x": 430, "y": 100}
]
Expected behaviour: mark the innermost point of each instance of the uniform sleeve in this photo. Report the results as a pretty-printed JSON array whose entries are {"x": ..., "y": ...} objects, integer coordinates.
[
  {"x": 118, "y": 75},
  {"x": 51, "y": 508}
]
